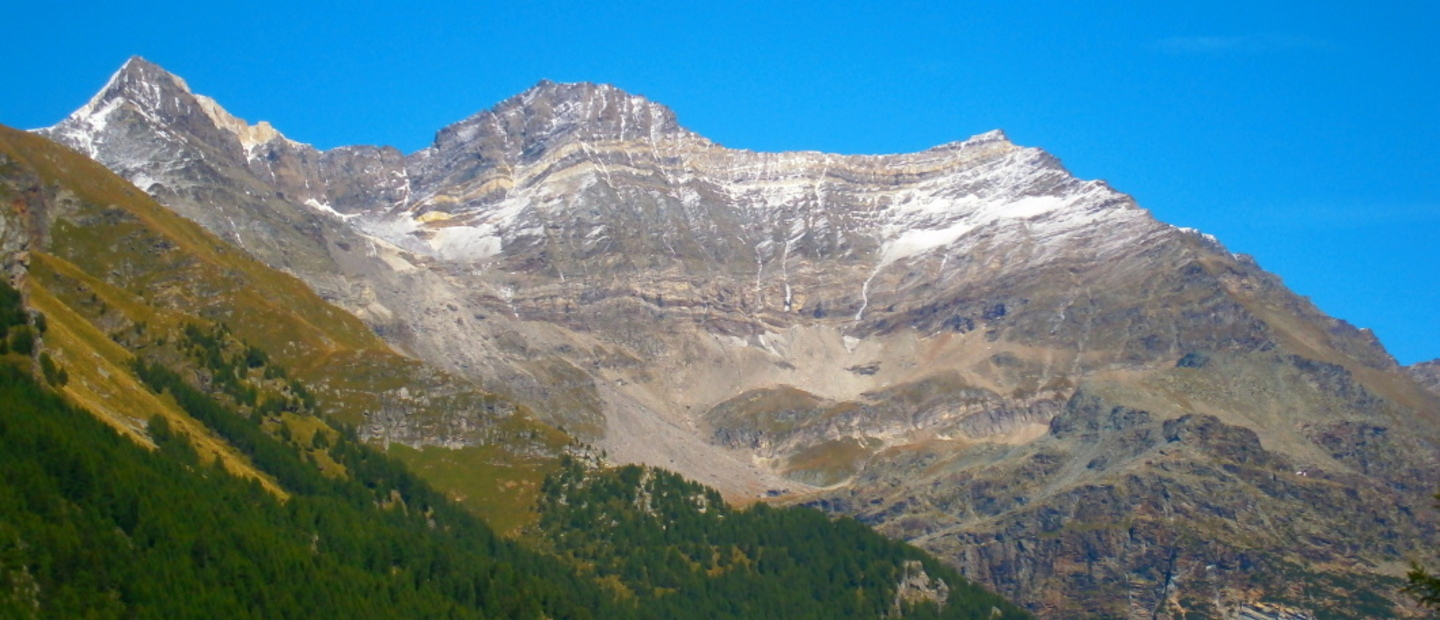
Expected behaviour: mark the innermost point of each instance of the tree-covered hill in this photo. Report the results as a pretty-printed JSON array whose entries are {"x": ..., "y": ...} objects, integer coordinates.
[
  {"x": 681, "y": 552},
  {"x": 94, "y": 525}
]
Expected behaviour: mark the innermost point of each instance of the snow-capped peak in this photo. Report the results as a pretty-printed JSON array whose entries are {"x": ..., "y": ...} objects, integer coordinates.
[
  {"x": 161, "y": 98},
  {"x": 552, "y": 113},
  {"x": 140, "y": 82}
]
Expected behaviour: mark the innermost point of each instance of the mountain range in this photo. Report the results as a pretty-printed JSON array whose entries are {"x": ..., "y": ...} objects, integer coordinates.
[
  {"x": 1088, "y": 410},
  {"x": 156, "y": 463}
]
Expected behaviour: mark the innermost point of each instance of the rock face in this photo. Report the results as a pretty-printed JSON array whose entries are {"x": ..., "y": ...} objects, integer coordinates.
[
  {"x": 1090, "y": 410},
  {"x": 916, "y": 587},
  {"x": 1427, "y": 373}
]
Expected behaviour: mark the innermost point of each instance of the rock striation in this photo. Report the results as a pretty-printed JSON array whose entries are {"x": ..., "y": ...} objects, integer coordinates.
[{"x": 1090, "y": 410}]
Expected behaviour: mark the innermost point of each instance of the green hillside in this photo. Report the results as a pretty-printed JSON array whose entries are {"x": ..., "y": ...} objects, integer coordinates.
[
  {"x": 675, "y": 547},
  {"x": 94, "y": 526}
]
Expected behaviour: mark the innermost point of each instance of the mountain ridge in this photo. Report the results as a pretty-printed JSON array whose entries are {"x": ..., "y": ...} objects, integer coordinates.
[{"x": 864, "y": 333}]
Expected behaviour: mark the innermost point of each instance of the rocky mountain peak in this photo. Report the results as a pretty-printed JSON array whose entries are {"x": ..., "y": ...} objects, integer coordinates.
[
  {"x": 550, "y": 114},
  {"x": 139, "y": 88},
  {"x": 221, "y": 170},
  {"x": 992, "y": 137},
  {"x": 139, "y": 81},
  {"x": 143, "y": 93}
]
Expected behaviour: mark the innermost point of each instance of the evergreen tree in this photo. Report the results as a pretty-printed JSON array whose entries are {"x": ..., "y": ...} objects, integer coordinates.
[{"x": 1422, "y": 585}]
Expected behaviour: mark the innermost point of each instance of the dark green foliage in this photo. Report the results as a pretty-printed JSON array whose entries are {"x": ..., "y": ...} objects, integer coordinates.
[
  {"x": 228, "y": 369},
  {"x": 13, "y": 321},
  {"x": 255, "y": 358},
  {"x": 17, "y": 326},
  {"x": 12, "y": 311},
  {"x": 92, "y": 525},
  {"x": 22, "y": 340},
  {"x": 307, "y": 400},
  {"x": 274, "y": 457},
  {"x": 1423, "y": 586},
  {"x": 684, "y": 553},
  {"x": 54, "y": 373}
]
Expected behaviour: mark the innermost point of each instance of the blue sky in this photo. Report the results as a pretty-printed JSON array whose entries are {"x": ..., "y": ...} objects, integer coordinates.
[{"x": 1302, "y": 133}]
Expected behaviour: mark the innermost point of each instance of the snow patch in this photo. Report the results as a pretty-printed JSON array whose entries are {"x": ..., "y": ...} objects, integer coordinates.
[
  {"x": 1196, "y": 232},
  {"x": 87, "y": 123},
  {"x": 973, "y": 213},
  {"x": 324, "y": 207},
  {"x": 140, "y": 179},
  {"x": 465, "y": 243}
]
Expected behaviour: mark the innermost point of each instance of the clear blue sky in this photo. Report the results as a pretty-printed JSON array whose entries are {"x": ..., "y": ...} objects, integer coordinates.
[{"x": 1303, "y": 133}]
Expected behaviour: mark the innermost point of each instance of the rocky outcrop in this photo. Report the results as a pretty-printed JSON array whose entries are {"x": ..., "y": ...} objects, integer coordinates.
[
  {"x": 1132, "y": 516},
  {"x": 15, "y": 235},
  {"x": 1427, "y": 374},
  {"x": 1271, "y": 611},
  {"x": 917, "y": 587}
]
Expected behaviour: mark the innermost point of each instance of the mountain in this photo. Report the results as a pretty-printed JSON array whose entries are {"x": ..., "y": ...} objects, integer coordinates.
[
  {"x": 1427, "y": 373},
  {"x": 1092, "y": 411},
  {"x": 159, "y": 463},
  {"x": 116, "y": 272}
]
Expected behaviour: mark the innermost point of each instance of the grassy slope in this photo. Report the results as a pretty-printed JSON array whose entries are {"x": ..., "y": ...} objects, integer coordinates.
[{"x": 109, "y": 265}]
